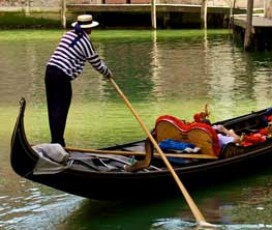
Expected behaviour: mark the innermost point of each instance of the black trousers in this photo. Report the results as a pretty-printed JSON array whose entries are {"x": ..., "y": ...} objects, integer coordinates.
[{"x": 59, "y": 95}]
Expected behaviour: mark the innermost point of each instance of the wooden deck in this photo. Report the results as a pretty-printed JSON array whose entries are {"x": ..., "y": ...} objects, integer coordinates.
[
  {"x": 257, "y": 21},
  {"x": 167, "y": 15},
  {"x": 261, "y": 31},
  {"x": 165, "y": 8}
]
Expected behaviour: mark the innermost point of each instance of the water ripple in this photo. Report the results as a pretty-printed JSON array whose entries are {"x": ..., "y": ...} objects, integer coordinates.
[{"x": 178, "y": 224}]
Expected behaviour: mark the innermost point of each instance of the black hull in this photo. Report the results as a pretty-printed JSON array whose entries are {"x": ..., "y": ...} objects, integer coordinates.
[{"x": 140, "y": 185}]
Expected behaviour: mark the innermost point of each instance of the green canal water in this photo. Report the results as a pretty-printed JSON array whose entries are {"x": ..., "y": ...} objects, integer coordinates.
[{"x": 172, "y": 72}]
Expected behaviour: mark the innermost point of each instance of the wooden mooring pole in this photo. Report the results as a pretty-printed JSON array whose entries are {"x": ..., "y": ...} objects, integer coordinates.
[
  {"x": 248, "y": 30},
  {"x": 153, "y": 14},
  {"x": 204, "y": 14},
  {"x": 63, "y": 13}
]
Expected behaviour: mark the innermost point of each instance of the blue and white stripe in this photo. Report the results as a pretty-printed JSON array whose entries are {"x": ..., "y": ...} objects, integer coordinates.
[{"x": 71, "y": 59}]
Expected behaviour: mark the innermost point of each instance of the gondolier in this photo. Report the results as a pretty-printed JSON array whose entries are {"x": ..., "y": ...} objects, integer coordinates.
[{"x": 66, "y": 63}]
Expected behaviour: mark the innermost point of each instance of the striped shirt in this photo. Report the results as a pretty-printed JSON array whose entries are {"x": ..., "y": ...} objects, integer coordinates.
[{"x": 72, "y": 53}]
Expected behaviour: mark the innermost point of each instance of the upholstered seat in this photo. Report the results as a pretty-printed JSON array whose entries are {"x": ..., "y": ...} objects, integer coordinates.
[{"x": 199, "y": 134}]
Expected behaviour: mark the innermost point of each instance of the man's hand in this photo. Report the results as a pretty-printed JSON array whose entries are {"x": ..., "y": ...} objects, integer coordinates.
[{"x": 108, "y": 76}]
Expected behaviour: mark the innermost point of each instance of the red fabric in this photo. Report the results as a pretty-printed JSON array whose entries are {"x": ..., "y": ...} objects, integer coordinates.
[
  {"x": 252, "y": 139},
  {"x": 174, "y": 120},
  {"x": 269, "y": 118},
  {"x": 199, "y": 116},
  {"x": 264, "y": 131}
]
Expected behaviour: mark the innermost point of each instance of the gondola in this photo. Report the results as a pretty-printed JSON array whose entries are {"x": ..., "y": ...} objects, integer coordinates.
[{"x": 109, "y": 173}]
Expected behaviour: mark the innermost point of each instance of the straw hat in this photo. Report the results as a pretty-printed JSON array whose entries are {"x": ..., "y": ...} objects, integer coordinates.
[{"x": 85, "y": 21}]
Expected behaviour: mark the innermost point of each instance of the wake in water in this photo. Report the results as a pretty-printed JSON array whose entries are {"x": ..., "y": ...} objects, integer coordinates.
[{"x": 178, "y": 224}]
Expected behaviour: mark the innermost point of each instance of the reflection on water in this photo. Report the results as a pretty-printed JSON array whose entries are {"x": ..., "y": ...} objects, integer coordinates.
[
  {"x": 224, "y": 206},
  {"x": 36, "y": 211},
  {"x": 178, "y": 224},
  {"x": 162, "y": 72}
]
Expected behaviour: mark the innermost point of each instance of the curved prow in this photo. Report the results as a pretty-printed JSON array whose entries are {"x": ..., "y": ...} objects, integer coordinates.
[{"x": 22, "y": 157}]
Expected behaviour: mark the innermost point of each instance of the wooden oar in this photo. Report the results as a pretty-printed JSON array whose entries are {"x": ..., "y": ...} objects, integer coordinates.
[
  {"x": 130, "y": 153},
  {"x": 195, "y": 210}
]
